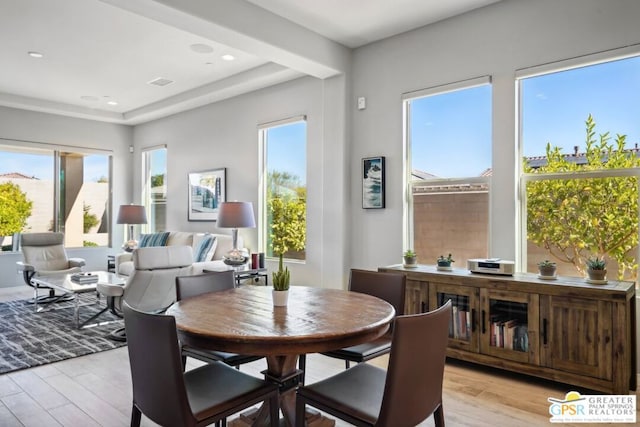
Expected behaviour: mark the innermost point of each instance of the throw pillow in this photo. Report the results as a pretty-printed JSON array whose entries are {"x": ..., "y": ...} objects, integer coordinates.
[
  {"x": 204, "y": 248},
  {"x": 153, "y": 239}
]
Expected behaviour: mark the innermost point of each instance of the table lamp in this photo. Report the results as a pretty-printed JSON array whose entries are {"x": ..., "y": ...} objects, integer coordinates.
[
  {"x": 235, "y": 215},
  {"x": 130, "y": 215}
]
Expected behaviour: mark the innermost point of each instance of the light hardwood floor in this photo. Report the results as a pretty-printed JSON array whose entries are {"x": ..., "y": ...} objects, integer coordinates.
[{"x": 95, "y": 390}]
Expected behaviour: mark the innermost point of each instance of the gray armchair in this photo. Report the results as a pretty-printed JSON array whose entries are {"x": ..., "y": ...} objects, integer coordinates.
[
  {"x": 44, "y": 255},
  {"x": 152, "y": 285}
]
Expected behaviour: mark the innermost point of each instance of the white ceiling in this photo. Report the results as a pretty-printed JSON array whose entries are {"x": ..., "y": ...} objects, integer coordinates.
[{"x": 96, "y": 51}]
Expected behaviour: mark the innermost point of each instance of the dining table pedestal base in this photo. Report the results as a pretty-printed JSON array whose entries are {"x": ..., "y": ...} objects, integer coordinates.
[
  {"x": 314, "y": 419},
  {"x": 282, "y": 371}
]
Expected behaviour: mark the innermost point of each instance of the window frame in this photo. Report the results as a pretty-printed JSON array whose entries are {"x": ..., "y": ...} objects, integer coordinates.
[
  {"x": 409, "y": 184},
  {"x": 56, "y": 151},
  {"x": 145, "y": 196},
  {"x": 263, "y": 211},
  {"x": 525, "y": 178}
]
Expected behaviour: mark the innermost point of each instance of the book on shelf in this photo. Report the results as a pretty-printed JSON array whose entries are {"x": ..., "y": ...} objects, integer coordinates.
[
  {"x": 460, "y": 325},
  {"x": 510, "y": 334},
  {"x": 84, "y": 277}
]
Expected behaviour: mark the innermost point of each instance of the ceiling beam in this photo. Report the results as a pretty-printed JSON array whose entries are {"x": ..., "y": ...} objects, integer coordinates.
[{"x": 244, "y": 26}]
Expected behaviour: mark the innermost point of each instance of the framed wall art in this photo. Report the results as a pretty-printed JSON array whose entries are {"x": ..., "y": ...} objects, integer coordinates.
[
  {"x": 207, "y": 190},
  {"x": 373, "y": 182}
]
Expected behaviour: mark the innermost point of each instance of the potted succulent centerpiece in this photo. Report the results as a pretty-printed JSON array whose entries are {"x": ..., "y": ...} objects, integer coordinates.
[
  {"x": 547, "y": 269},
  {"x": 410, "y": 258},
  {"x": 444, "y": 262},
  {"x": 281, "y": 281},
  {"x": 288, "y": 232},
  {"x": 596, "y": 270}
]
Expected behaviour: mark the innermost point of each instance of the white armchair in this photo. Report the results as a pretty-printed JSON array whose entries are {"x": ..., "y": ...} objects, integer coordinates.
[
  {"x": 152, "y": 285},
  {"x": 44, "y": 255}
]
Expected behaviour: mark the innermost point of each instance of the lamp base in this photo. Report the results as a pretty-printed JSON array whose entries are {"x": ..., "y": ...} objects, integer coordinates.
[
  {"x": 235, "y": 257},
  {"x": 130, "y": 245}
]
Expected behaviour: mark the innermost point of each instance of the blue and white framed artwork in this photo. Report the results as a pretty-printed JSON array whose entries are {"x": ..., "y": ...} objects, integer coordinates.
[
  {"x": 207, "y": 189},
  {"x": 373, "y": 182}
]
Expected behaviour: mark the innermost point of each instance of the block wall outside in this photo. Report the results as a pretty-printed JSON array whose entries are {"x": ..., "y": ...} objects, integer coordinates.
[
  {"x": 457, "y": 223},
  {"x": 39, "y": 192}
]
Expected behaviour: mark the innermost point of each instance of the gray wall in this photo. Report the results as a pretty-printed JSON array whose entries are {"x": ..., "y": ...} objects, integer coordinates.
[
  {"x": 496, "y": 40},
  {"x": 27, "y": 126},
  {"x": 225, "y": 134}
]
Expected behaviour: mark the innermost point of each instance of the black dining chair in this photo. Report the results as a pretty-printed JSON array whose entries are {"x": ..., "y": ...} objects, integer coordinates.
[
  {"x": 170, "y": 397},
  {"x": 194, "y": 285},
  {"x": 404, "y": 395},
  {"x": 390, "y": 287}
]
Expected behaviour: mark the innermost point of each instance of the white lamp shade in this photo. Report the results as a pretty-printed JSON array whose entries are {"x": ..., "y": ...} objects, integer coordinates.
[{"x": 236, "y": 215}]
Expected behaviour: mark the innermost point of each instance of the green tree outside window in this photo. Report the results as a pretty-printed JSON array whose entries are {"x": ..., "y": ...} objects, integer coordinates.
[
  {"x": 15, "y": 209},
  {"x": 575, "y": 219}
]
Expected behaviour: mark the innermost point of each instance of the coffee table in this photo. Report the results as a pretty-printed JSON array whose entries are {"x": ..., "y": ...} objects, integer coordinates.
[{"x": 64, "y": 283}]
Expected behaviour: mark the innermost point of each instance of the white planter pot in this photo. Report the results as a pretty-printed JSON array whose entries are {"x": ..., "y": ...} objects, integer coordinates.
[{"x": 280, "y": 298}]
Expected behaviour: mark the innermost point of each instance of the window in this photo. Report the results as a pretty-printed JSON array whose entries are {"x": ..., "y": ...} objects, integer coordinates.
[
  {"x": 45, "y": 189},
  {"x": 579, "y": 140},
  {"x": 448, "y": 139},
  {"x": 154, "y": 188},
  {"x": 284, "y": 189}
]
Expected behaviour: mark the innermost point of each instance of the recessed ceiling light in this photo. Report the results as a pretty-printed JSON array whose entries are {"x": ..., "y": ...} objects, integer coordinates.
[
  {"x": 201, "y": 48},
  {"x": 228, "y": 57},
  {"x": 34, "y": 54},
  {"x": 112, "y": 103}
]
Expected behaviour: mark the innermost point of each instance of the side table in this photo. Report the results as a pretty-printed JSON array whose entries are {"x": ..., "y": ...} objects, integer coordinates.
[{"x": 254, "y": 274}]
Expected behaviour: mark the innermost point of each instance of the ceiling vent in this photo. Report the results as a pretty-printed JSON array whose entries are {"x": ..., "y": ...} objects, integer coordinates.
[{"x": 160, "y": 82}]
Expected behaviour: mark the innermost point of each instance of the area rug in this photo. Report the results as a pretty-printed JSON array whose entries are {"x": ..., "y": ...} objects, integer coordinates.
[{"x": 29, "y": 339}]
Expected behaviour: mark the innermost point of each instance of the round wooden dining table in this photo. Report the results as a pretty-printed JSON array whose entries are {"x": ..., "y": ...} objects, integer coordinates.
[{"x": 244, "y": 320}]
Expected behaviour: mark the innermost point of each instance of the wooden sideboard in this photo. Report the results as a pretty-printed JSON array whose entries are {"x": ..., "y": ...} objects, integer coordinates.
[{"x": 564, "y": 330}]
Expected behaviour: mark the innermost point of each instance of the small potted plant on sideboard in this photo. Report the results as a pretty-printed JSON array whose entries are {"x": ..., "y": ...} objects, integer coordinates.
[
  {"x": 547, "y": 269},
  {"x": 596, "y": 270},
  {"x": 444, "y": 262},
  {"x": 410, "y": 258}
]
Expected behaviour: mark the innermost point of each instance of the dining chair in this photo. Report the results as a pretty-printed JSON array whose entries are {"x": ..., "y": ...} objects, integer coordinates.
[
  {"x": 193, "y": 285},
  {"x": 404, "y": 395},
  {"x": 170, "y": 397},
  {"x": 390, "y": 287}
]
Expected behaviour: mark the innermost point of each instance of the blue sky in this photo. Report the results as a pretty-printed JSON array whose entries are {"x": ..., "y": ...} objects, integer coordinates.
[
  {"x": 555, "y": 108},
  {"x": 41, "y": 165},
  {"x": 286, "y": 145}
]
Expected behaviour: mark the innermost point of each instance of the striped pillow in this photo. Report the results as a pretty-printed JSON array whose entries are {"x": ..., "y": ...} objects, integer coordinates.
[
  {"x": 153, "y": 239},
  {"x": 204, "y": 248}
]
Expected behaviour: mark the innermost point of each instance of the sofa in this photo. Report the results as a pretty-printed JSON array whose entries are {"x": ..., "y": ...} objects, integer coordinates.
[{"x": 212, "y": 260}]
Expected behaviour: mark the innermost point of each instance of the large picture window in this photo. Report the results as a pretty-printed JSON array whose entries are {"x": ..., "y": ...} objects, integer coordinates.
[
  {"x": 448, "y": 139},
  {"x": 44, "y": 189},
  {"x": 284, "y": 190},
  {"x": 579, "y": 140}
]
